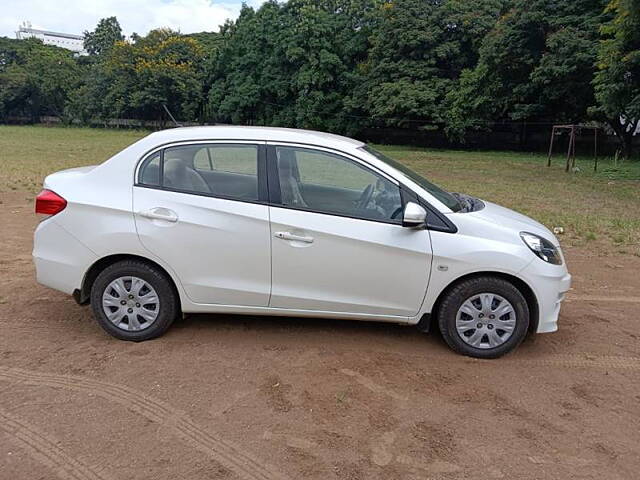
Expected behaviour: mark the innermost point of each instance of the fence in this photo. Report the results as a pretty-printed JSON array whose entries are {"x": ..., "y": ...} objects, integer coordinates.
[
  {"x": 110, "y": 123},
  {"x": 529, "y": 139},
  {"x": 523, "y": 137}
]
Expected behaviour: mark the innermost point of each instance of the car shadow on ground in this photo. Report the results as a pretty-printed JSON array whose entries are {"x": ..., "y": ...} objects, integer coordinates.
[
  {"x": 298, "y": 331},
  {"x": 329, "y": 330}
]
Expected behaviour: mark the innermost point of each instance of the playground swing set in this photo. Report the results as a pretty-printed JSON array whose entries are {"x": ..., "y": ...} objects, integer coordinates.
[{"x": 574, "y": 130}]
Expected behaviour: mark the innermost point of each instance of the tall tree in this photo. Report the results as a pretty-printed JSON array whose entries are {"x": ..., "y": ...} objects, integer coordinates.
[
  {"x": 617, "y": 81},
  {"x": 324, "y": 42},
  {"x": 235, "y": 86},
  {"x": 291, "y": 64},
  {"x": 536, "y": 64},
  {"x": 14, "y": 78},
  {"x": 418, "y": 49},
  {"x": 35, "y": 79},
  {"x": 104, "y": 37},
  {"x": 136, "y": 79},
  {"x": 163, "y": 68}
]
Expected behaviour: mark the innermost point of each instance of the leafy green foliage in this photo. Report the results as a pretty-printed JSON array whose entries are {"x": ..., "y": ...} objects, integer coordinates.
[
  {"x": 617, "y": 81},
  {"x": 290, "y": 64},
  {"x": 34, "y": 79},
  {"x": 135, "y": 80},
  {"x": 536, "y": 64},
  {"x": 165, "y": 69},
  {"x": 336, "y": 64},
  {"x": 418, "y": 49},
  {"x": 104, "y": 37}
]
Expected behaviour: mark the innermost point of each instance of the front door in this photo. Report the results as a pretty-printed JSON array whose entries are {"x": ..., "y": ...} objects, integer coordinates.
[
  {"x": 201, "y": 209},
  {"x": 338, "y": 244}
]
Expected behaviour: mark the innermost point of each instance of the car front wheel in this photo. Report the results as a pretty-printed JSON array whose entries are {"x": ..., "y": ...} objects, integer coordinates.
[
  {"x": 484, "y": 317},
  {"x": 134, "y": 301}
]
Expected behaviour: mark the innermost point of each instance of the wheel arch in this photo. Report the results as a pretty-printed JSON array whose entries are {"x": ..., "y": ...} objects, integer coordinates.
[
  {"x": 83, "y": 294},
  {"x": 527, "y": 292}
]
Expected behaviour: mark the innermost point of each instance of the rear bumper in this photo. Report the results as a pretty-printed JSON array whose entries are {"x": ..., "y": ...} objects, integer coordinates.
[
  {"x": 550, "y": 283},
  {"x": 60, "y": 259}
]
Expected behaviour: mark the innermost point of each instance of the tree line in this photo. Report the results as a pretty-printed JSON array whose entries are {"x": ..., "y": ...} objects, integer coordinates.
[{"x": 346, "y": 65}]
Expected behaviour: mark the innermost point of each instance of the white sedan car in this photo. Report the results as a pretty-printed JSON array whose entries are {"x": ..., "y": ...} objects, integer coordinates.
[{"x": 270, "y": 221}]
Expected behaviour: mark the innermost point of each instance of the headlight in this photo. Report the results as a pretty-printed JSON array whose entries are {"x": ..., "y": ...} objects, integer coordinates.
[{"x": 542, "y": 247}]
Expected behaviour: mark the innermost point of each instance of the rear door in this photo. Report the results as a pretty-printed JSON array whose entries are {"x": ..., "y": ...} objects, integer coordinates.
[
  {"x": 338, "y": 244},
  {"x": 201, "y": 208}
]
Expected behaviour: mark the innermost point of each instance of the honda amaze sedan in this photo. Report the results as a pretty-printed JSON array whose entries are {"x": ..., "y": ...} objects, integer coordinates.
[{"x": 269, "y": 221}]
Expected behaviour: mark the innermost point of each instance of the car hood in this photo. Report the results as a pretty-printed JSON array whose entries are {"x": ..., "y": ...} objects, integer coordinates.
[{"x": 509, "y": 219}]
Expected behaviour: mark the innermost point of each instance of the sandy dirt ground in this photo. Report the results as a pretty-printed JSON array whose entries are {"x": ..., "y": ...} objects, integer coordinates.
[{"x": 222, "y": 397}]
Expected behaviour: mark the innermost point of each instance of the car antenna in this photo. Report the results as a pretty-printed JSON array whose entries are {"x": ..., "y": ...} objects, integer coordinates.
[{"x": 171, "y": 116}]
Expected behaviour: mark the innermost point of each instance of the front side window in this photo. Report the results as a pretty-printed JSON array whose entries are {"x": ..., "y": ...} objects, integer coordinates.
[
  {"x": 229, "y": 171},
  {"x": 328, "y": 183}
]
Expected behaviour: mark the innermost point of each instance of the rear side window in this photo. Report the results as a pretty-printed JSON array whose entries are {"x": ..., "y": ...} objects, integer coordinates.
[
  {"x": 228, "y": 171},
  {"x": 150, "y": 170},
  {"x": 241, "y": 159},
  {"x": 178, "y": 172}
]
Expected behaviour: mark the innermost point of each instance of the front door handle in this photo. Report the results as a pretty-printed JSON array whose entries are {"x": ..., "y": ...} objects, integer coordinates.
[
  {"x": 159, "y": 213},
  {"x": 295, "y": 238}
]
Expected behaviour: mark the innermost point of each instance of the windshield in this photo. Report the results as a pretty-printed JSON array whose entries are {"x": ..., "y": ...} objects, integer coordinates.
[{"x": 445, "y": 197}]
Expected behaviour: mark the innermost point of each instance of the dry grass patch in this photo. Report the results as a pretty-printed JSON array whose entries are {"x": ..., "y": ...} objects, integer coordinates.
[
  {"x": 596, "y": 209},
  {"x": 601, "y": 207}
]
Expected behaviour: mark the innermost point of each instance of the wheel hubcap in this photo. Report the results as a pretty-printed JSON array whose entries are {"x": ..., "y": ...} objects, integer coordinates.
[
  {"x": 485, "y": 320},
  {"x": 130, "y": 303}
]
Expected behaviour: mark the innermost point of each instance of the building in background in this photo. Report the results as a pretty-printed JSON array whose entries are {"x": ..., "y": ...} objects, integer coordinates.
[{"x": 72, "y": 42}]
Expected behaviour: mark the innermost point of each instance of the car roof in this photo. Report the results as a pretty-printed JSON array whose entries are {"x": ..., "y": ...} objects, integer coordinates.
[
  {"x": 274, "y": 134},
  {"x": 124, "y": 161}
]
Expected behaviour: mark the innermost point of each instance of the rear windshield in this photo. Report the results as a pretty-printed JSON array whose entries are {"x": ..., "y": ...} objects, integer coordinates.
[{"x": 445, "y": 197}]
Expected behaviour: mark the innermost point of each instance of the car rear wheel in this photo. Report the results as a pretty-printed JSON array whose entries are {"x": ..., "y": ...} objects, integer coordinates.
[
  {"x": 134, "y": 301},
  {"x": 484, "y": 317}
]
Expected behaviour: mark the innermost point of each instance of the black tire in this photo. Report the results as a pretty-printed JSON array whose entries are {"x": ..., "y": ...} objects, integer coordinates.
[
  {"x": 168, "y": 299},
  {"x": 466, "y": 289}
]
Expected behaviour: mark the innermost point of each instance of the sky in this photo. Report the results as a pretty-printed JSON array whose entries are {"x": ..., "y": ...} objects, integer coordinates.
[{"x": 140, "y": 16}]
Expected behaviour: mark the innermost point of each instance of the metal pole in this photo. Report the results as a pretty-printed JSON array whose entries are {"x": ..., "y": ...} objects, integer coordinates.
[
  {"x": 171, "y": 116},
  {"x": 553, "y": 134},
  {"x": 566, "y": 167},
  {"x": 595, "y": 149},
  {"x": 573, "y": 150}
]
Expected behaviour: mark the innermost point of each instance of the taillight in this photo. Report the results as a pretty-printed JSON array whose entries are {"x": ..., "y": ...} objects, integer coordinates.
[{"x": 49, "y": 203}]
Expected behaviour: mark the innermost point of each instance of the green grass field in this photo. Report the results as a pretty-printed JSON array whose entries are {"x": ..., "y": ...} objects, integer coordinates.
[{"x": 593, "y": 208}]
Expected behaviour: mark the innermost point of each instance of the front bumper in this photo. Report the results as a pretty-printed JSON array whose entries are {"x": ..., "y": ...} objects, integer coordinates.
[{"x": 550, "y": 283}]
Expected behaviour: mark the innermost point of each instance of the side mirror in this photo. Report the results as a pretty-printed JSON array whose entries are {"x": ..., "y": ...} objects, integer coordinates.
[{"x": 414, "y": 216}]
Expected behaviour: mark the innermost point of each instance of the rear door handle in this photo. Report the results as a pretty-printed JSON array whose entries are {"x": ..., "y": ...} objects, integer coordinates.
[
  {"x": 159, "y": 213},
  {"x": 291, "y": 236}
]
